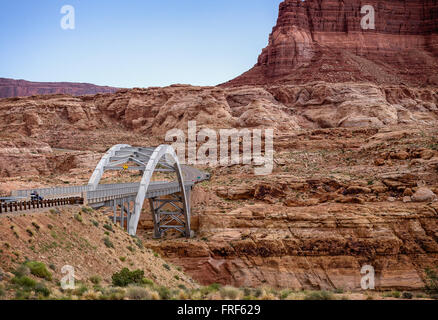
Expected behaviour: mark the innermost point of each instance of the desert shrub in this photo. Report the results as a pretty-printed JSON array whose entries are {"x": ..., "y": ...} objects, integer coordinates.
[
  {"x": 2, "y": 291},
  {"x": 29, "y": 232},
  {"x": 40, "y": 288},
  {"x": 22, "y": 294},
  {"x": 78, "y": 217},
  {"x": 147, "y": 282},
  {"x": 52, "y": 266},
  {"x": 166, "y": 266},
  {"x": 24, "y": 281},
  {"x": 22, "y": 270},
  {"x": 284, "y": 294},
  {"x": 123, "y": 259},
  {"x": 176, "y": 277},
  {"x": 87, "y": 209},
  {"x": 258, "y": 292},
  {"x": 95, "y": 279},
  {"x": 182, "y": 287},
  {"x": 39, "y": 269},
  {"x": 214, "y": 287},
  {"x": 164, "y": 293},
  {"x": 108, "y": 242},
  {"x": 80, "y": 290},
  {"x": 36, "y": 226},
  {"x": 229, "y": 293},
  {"x": 431, "y": 281},
  {"x": 183, "y": 295},
  {"x": 108, "y": 227},
  {"x": 130, "y": 248},
  {"x": 138, "y": 293},
  {"x": 138, "y": 242},
  {"x": 112, "y": 294},
  {"x": 95, "y": 223},
  {"x": 396, "y": 294},
  {"x": 126, "y": 277},
  {"x": 247, "y": 292},
  {"x": 407, "y": 295},
  {"x": 319, "y": 295}
]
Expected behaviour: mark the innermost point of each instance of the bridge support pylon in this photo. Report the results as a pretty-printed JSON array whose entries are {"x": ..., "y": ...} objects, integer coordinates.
[{"x": 168, "y": 214}]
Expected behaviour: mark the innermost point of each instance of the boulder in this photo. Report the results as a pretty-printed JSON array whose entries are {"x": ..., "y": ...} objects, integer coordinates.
[{"x": 424, "y": 194}]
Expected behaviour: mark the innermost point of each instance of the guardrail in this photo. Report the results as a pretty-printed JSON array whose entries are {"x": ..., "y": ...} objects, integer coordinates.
[
  {"x": 29, "y": 205},
  {"x": 71, "y": 190}
]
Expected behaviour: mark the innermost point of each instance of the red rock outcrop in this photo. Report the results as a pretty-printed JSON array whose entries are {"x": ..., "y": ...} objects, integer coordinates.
[
  {"x": 324, "y": 40},
  {"x": 21, "y": 88}
]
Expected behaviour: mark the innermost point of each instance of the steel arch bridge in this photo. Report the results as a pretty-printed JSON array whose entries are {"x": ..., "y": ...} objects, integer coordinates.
[{"x": 169, "y": 201}]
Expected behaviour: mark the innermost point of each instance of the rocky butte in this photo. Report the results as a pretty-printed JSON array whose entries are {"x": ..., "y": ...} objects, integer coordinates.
[{"x": 324, "y": 40}]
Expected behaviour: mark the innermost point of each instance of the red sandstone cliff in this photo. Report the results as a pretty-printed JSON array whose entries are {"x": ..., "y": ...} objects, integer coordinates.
[
  {"x": 21, "y": 88},
  {"x": 323, "y": 40}
]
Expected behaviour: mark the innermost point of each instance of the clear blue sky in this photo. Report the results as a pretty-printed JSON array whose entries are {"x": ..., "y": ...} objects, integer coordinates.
[{"x": 134, "y": 43}]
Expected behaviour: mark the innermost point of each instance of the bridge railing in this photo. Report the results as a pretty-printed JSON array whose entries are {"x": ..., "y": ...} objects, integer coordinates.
[
  {"x": 99, "y": 194},
  {"x": 68, "y": 190}
]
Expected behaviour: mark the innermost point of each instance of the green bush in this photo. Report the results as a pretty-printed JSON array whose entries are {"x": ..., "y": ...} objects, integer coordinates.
[
  {"x": 24, "y": 281},
  {"x": 40, "y": 288},
  {"x": 407, "y": 295},
  {"x": 95, "y": 223},
  {"x": 108, "y": 227},
  {"x": 36, "y": 226},
  {"x": 80, "y": 290},
  {"x": 319, "y": 295},
  {"x": 164, "y": 293},
  {"x": 166, "y": 266},
  {"x": 284, "y": 294},
  {"x": 39, "y": 269},
  {"x": 87, "y": 210},
  {"x": 147, "y": 282},
  {"x": 108, "y": 242},
  {"x": 126, "y": 277},
  {"x": 95, "y": 279},
  {"x": 78, "y": 217},
  {"x": 138, "y": 242},
  {"x": 431, "y": 281}
]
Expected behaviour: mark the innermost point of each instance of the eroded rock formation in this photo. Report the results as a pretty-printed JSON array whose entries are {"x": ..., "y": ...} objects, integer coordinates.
[
  {"x": 22, "y": 88},
  {"x": 324, "y": 40}
]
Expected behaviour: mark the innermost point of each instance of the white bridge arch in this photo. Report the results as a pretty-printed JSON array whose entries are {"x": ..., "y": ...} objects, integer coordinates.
[{"x": 149, "y": 160}]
